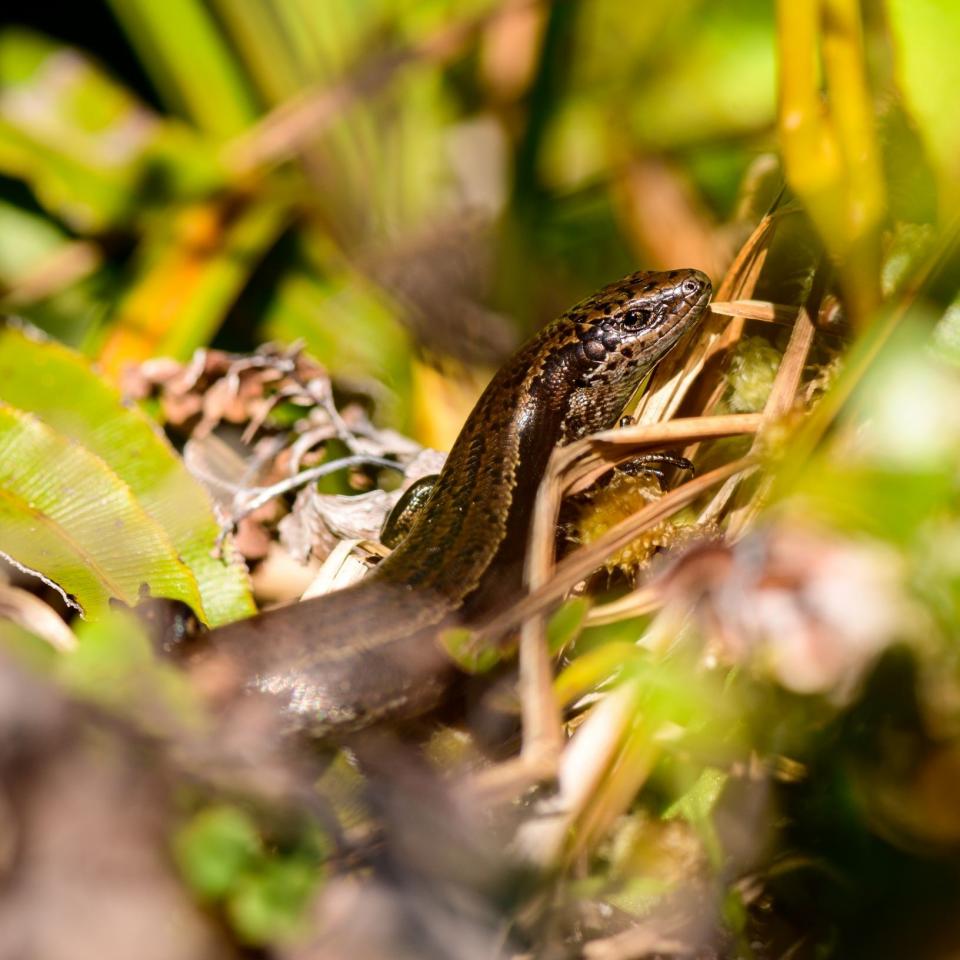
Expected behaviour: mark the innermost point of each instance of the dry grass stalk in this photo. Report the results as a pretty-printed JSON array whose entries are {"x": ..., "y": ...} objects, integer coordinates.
[{"x": 618, "y": 758}]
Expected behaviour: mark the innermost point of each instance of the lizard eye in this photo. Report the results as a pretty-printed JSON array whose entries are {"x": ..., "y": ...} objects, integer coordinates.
[{"x": 636, "y": 317}]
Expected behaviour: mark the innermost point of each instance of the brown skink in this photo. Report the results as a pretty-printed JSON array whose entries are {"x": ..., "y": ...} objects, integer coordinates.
[{"x": 370, "y": 652}]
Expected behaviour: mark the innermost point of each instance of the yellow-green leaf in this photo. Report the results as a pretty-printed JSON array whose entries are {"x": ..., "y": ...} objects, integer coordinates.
[
  {"x": 66, "y": 515},
  {"x": 59, "y": 386}
]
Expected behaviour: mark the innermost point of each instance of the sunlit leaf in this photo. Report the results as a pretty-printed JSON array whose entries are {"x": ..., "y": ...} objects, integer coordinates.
[
  {"x": 92, "y": 153},
  {"x": 698, "y": 802},
  {"x": 592, "y": 669},
  {"x": 927, "y": 36},
  {"x": 67, "y": 515},
  {"x": 716, "y": 84},
  {"x": 80, "y": 162},
  {"x": 36, "y": 377}
]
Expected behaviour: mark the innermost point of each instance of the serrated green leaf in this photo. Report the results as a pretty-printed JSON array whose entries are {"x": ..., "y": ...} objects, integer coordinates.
[
  {"x": 696, "y": 807},
  {"x": 698, "y": 802},
  {"x": 65, "y": 514},
  {"x": 37, "y": 376}
]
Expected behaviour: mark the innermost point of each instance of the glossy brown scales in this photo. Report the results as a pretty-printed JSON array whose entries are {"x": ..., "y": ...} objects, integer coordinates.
[{"x": 339, "y": 662}]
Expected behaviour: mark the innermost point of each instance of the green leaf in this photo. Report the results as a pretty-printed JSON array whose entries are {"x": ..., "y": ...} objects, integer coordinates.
[
  {"x": 926, "y": 34},
  {"x": 565, "y": 625},
  {"x": 26, "y": 649},
  {"x": 85, "y": 145},
  {"x": 223, "y": 858},
  {"x": 215, "y": 848},
  {"x": 26, "y": 240},
  {"x": 268, "y": 904},
  {"x": 29, "y": 244},
  {"x": 716, "y": 88},
  {"x": 67, "y": 130},
  {"x": 460, "y": 644},
  {"x": 66, "y": 515},
  {"x": 37, "y": 377},
  {"x": 190, "y": 61},
  {"x": 698, "y": 802},
  {"x": 594, "y": 668},
  {"x": 900, "y": 474},
  {"x": 696, "y": 807}
]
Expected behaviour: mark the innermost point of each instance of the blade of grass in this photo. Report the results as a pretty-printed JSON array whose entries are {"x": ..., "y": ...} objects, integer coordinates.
[{"x": 190, "y": 62}]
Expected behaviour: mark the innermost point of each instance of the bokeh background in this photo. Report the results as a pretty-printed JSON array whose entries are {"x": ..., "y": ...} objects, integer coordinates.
[{"x": 408, "y": 187}]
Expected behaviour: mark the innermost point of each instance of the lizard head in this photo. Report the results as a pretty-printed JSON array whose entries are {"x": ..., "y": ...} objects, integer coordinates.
[
  {"x": 628, "y": 326},
  {"x": 615, "y": 338}
]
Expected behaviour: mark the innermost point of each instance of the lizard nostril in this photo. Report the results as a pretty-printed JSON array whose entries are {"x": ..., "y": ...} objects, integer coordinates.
[{"x": 690, "y": 287}]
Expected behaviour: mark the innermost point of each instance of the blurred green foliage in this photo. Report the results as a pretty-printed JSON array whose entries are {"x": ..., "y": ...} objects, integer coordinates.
[
  {"x": 312, "y": 162},
  {"x": 262, "y": 888},
  {"x": 304, "y": 150}
]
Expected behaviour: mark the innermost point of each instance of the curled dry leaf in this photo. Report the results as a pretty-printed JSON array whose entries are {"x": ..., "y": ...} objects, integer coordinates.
[
  {"x": 219, "y": 386},
  {"x": 248, "y": 474},
  {"x": 318, "y": 521},
  {"x": 813, "y": 608}
]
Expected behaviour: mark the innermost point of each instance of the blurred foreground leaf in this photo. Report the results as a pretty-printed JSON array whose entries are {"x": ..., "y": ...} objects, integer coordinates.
[
  {"x": 214, "y": 848},
  {"x": 927, "y": 35},
  {"x": 114, "y": 665},
  {"x": 224, "y": 859}
]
